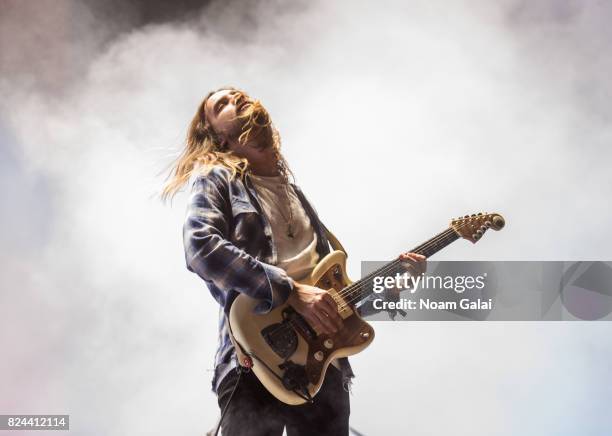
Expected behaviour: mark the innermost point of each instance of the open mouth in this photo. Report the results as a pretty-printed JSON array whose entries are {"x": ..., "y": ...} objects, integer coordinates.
[{"x": 242, "y": 106}]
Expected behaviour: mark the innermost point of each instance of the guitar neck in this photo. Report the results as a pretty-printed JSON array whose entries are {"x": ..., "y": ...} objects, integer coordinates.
[{"x": 362, "y": 289}]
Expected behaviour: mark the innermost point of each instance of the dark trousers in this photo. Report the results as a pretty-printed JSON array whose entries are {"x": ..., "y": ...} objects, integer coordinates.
[{"x": 254, "y": 411}]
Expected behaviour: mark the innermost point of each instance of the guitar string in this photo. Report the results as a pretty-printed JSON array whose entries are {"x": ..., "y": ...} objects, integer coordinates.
[
  {"x": 356, "y": 293},
  {"x": 424, "y": 247},
  {"x": 341, "y": 306},
  {"x": 384, "y": 270},
  {"x": 389, "y": 266},
  {"x": 359, "y": 295},
  {"x": 450, "y": 232},
  {"x": 434, "y": 241},
  {"x": 392, "y": 266}
]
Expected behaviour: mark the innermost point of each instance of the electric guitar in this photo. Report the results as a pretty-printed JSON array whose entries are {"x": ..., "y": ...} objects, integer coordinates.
[{"x": 288, "y": 356}]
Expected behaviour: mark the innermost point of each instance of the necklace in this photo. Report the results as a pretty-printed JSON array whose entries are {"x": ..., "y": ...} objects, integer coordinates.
[{"x": 290, "y": 231}]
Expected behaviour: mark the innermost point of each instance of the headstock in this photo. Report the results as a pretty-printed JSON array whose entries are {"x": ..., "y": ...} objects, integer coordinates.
[{"x": 472, "y": 227}]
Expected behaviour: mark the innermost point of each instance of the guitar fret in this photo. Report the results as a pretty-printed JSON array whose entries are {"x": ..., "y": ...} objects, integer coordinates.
[{"x": 362, "y": 288}]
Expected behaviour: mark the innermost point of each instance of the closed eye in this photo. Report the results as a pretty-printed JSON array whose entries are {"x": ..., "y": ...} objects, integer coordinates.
[
  {"x": 223, "y": 102},
  {"x": 220, "y": 105}
]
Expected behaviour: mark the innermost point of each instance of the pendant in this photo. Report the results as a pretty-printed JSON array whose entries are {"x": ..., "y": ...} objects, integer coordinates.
[{"x": 290, "y": 231}]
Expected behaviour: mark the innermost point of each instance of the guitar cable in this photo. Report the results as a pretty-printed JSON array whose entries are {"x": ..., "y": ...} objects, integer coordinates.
[
  {"x": 240, "y": 370},
  {"x": 307, "y": 397}
]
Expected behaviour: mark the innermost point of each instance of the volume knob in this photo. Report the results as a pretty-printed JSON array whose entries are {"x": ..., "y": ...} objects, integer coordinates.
[{"x": 319, "y": 356}]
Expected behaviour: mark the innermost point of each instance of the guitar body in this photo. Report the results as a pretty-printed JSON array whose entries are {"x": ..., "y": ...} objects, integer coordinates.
[{"x": 289, "y": 358}]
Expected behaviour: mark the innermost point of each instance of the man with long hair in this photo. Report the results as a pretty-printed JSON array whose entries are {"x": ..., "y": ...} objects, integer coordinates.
[{"x": 250, "y": 230}]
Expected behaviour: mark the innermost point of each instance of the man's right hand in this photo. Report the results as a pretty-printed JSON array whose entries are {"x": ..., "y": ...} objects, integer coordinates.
[{"x": 317, "y": 307}]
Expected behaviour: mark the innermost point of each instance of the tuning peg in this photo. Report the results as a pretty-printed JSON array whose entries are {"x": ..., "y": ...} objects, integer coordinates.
[
  {"x": 479, "y": 213},
  {"x": 488, "y": 224},
  {"x": 476, "y": 236},
  {"x": 479, "y": 232}
]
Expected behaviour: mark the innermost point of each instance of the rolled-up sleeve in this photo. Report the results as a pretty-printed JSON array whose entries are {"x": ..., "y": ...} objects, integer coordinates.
[{"x": 210, "y": 254}]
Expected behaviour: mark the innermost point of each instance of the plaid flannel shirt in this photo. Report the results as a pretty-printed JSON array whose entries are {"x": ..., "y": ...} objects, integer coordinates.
[{"x": 228, "y": 243}]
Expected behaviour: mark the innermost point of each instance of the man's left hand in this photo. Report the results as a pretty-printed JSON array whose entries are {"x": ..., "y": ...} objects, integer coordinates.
[{"x": 415, "y": 264}]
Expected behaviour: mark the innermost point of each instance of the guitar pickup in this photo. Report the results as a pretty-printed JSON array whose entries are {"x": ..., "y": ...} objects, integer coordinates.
[{"x": 299, "y": 323}]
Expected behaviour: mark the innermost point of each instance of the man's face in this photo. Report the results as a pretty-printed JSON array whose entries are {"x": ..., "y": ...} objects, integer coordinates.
[
  {"x": 222, "y": 111},
  {"x": 231, "y": 114}
]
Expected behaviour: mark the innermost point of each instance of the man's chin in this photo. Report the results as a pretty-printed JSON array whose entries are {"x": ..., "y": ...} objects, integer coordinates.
[{"x": 260, "y": 138}]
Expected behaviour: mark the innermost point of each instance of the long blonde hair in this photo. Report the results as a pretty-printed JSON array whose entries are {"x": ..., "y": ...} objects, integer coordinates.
[{"x": 204, "y": 149}]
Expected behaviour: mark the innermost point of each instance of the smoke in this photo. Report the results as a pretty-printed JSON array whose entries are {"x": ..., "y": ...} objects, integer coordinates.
[{"x": 394, "y": 118}]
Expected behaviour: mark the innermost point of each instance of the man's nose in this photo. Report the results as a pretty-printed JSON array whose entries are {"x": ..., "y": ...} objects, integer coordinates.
[{"x": 238, "y": 98}]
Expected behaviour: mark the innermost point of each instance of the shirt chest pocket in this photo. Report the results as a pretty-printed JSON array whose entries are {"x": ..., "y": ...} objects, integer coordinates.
[
  {"x": 247, "y": 227},
  {"x": 240, "y": 206}
]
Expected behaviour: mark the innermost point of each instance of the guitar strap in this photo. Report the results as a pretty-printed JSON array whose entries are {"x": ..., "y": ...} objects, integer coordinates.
[
  {"x": 335, "y": 243},
  {"x": 243, "y": 359}
]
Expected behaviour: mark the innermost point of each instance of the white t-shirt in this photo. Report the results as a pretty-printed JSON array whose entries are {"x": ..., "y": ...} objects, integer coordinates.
[{"x": 296, "y": 253}]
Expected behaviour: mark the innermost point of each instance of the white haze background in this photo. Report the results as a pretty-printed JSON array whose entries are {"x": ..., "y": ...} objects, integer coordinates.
[{"x": 395, "y": 117}]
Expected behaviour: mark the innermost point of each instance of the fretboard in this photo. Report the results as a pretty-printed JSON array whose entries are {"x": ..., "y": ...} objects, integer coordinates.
[{"x": 362, "y": 289}]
